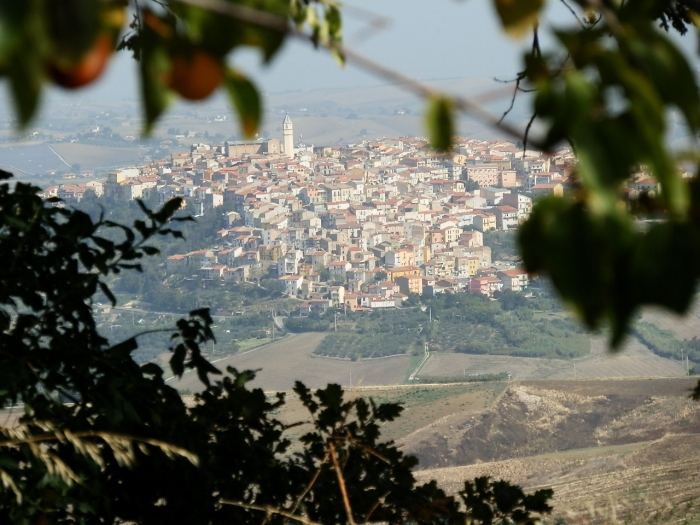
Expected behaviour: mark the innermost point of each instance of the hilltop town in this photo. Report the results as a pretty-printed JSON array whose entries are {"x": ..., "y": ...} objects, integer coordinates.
[{"x": 358, "y": 226}]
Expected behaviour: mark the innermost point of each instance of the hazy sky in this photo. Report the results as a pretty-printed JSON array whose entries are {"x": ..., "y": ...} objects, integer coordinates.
[
  {"x": 425, "y": 39},
  {"x": 433, "y": 39}
]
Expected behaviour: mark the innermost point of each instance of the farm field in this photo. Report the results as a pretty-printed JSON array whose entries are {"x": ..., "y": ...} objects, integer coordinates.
[
  {"x": 634, "y": 360},
  {"x": 92, "y": 157},
  {"x": 289, "y": 360},
  {"x": 26, "y": 160},
  {"x": 282, "y": 363},
  {"x": 425, "y": 406}
]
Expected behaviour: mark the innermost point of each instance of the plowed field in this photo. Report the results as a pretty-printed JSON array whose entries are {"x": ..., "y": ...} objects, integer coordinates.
[{"x": 284, "y": 362}]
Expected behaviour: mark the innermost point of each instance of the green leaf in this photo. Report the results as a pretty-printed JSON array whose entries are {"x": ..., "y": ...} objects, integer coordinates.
[
  {"x": 245, "y": 97},
  {"x": 123, "y": 350},
  {"x": 670, "y": 74},
  {"x": 518, "y": 16},
  {"x": 26, "y": 74},
  {"x": 152, "y": 369},
  {"x": 155, "y": 67},
  {"x": 584, "y": 253},
  {"x": 439, "y": 122},
  {"x": 12, "y": 20},
  {"x": 73, "y": 27},
  {"x": 666, "y": 262},
  {"x": 177, "y": 361}
]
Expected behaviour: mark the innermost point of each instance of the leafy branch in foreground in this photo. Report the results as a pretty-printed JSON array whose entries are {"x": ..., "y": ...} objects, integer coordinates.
[
  {"x": 87, "y": 443},
  {"x": 347, "y": 475},
  {"x": 61, "y": 374}
]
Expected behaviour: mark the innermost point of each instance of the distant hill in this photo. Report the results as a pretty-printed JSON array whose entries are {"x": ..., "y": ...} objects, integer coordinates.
[{"x": 328, "y": 116}]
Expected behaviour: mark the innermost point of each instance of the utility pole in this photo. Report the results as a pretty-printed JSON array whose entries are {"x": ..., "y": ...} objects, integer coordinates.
[
  {"x": 272, "y": 312},
  {"x": 335, "y": 321},
  {"x": 430, "y": 312},
  {"x": 682, "y": 358}
]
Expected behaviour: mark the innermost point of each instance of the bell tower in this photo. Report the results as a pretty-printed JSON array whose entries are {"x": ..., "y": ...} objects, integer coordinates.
[{"x": 288, "y": 136}]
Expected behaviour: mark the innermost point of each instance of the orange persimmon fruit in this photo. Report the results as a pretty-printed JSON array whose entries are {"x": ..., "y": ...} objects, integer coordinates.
[
  {"x": 87, "y": 69},
  {"x": 196, "y": 75}
]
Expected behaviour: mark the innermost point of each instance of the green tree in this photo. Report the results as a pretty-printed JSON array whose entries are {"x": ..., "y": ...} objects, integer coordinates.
[
  {"x": 510, "y": 300},
  {"x": 324, "y": 274},
  {"x": 472, "y": 185}
]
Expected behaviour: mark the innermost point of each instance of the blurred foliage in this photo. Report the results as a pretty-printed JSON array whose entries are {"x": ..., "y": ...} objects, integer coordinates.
[
  {"x": 606, "y": 88},
  {"x": 182, "y": 47}
]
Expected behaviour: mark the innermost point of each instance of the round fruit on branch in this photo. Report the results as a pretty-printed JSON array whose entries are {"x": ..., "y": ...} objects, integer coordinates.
[
  {"x": 196, "y": 75},
  {"x": 87, "y": 69}
]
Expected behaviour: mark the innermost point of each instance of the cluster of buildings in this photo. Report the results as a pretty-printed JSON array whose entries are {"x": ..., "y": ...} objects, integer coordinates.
[{"x": 362, "y": 225}]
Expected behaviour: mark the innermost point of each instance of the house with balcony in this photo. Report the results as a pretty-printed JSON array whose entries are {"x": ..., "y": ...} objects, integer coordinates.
[
  {"x": 515, "y": 280},
  {"x": 338, "y": 269},
  {"x": 237, "y": 275},
  {"x": 337, "y": 295},
  {"x": 484, "y": 222},
  {"x": 289, "y": 264},
  {"x": 400, "y": 257},
  {"x": 506, "y": 217}
]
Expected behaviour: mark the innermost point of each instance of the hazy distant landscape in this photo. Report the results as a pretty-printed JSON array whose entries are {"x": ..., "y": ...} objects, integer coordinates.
[{"x": 321, "y": 117}]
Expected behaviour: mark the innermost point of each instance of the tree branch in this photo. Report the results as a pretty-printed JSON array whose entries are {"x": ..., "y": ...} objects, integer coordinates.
[
  {"x": 341, "y": 483},
  {"x": 571, "y": 10},
  {"x": 269, "y": 510},
  {"x": 310, "y": 485}
]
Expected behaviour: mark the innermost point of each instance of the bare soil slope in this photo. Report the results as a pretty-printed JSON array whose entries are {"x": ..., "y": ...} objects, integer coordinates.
[
  {"x": 612, "y": 450},
  {"x": 554, "y": 416},
  {"x": 651, "y": 482}
]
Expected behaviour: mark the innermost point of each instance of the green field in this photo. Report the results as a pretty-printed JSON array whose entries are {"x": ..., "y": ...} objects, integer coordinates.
[{"x": 461, "y": 323}]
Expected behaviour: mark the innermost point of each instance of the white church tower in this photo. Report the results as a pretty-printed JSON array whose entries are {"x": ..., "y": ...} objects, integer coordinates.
[{"x": 288, "y": 136}]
